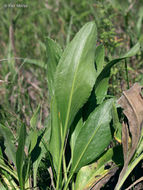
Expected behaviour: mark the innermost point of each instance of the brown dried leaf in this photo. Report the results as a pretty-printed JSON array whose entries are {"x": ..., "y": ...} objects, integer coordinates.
[
  {"x": 132, "y": 103},
  {"x": 105, "y": 179},
  {"x": 125, "y": 137}
]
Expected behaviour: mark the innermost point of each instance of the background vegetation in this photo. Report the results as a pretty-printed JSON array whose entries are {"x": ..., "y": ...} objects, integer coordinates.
[{"x": 24, "y": 26}]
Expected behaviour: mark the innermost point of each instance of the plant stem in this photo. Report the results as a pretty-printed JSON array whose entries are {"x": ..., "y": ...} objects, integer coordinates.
[
  {"x": 73, "y": 185},
  {"x": 69, "y": 165},
  {"x": 60, "y": 162},
  {"x": 59, "y": 167},
  {"x": 127, "y": 78},
  {"x": 137, "y": 181},
  {"x": 68, "y": 181},
  {"x": 129, "y": 170},
  {"x": 13, "y": 174},
  {"x": 64, "y": 167},
  {"x": 61, "y": 154},
  {"x": 63, "y": 137}
]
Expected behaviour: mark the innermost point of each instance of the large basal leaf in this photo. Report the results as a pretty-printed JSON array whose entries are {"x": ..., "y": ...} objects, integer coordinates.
[
  {"x": 20, "y": 155},
  {"x": 54, "y": 53},
  {"x": 102, "y": 82},
  {"x": 94, "y": 136},
  {"x": 132, "y": 103},
  {"x": 75, "y": 74},
  {"x": 8, "y": 142}
]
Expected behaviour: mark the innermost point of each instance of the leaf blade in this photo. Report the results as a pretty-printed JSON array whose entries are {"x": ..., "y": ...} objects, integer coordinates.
[
  {"x": 20, "y": 154},
  {"x": 90, "y": 136},
  {"x": 99, "y": 58},
  {"x": 91, "y": 174},
  {"x": 75, "y": 74},
  {"x": 54, "y": 53},
  {"x": 8, "y": 138},
  {"x": 55, "y": 139},
  {"x": 101, "y": 85}
]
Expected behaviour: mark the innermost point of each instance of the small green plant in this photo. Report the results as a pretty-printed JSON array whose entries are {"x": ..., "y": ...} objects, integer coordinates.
[{"x": 21, "y": 154}]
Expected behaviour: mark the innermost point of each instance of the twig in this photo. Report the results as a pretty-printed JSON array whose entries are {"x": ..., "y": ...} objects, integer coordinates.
[
  {"x": 137, "y": 181},
  {"x": 51, "y": 176}
]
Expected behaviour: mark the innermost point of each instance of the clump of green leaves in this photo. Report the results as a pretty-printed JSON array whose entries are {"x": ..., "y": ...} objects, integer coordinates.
[
  {"x": 80, "y": 122},
  {"x": 80, "y": 112}
]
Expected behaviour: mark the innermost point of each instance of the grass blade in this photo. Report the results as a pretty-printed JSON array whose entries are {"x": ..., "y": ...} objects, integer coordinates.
[{"x": 20, "y": 154}]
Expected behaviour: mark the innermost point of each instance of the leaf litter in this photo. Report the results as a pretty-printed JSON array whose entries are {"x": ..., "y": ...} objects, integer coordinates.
[{"x": 132, "y": 103}]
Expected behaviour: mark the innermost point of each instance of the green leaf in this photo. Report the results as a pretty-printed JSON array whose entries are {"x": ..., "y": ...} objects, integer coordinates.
[
  {"x": 8, "y": 142},
  {"x": 35, "y": 118},
  {"x": 8, "y": 181},
  {"x": 55, "y": 140},
  {"x": 35, "y": 62},
  {"x": 2, "y": 187},
  {"x": 132, "y": 52},
  {"x": 94, "y": 136},
  {"x": 74, "y": 79},
  {"x": 139, "y": 149},
  {"x": 116, "y": 124},
  {"x": 5, "y": 167},
  {"x": 102, "y": 82},
  {"x": 74, "y": 135},
  {"x": 32, "y": 140},
  {"x": 89, "y": 175},
  {"x": 101, "y": 89},
  {"x": 20, "y": 155},
  {"x": 42, "y": 146},
  {"x": 99, "y": 58},
  {"x": 75, "y": 74},
  {"x": 54, "y": 53},
  {"x": 130, "y": 168}
]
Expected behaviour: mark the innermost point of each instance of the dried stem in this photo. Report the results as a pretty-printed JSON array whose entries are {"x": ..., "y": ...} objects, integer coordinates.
[
  {"x": 137, "y": 181},
  {"x": 12, "y": 41}
]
